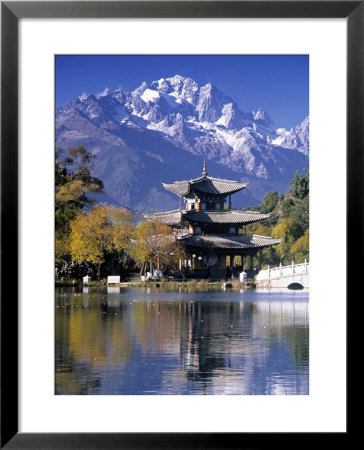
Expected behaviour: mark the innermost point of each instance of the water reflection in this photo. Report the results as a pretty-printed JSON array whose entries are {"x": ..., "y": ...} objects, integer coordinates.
[{"x": 135, "y": 341}]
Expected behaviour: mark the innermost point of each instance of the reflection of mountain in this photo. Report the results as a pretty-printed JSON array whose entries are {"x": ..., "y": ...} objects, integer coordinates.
[{"x": 149, "y": 343}]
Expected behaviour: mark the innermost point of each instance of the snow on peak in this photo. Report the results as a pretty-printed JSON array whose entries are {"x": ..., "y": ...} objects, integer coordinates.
[
  {"x": 196, "y": 118},
  {"x": 150, "y": 95},
  {"x": 305, "y": 123},
  {"x": 207, "y": 89},
  {"x": 139, "y": 90},
  {"x": 260, "y": 114},
  {"x": 161, "y": 85},
  {"x": 85, "y": 96},
  {"x": 181, "y": 89},
  {"x": 176, "y": 79}
]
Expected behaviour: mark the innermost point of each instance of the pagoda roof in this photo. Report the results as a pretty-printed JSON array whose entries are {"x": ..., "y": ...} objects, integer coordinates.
[
  {"x": 230, "y": 216},
  {"x": 238, "y": 242},
  {"x": 233, "y": 216},
  {"x": 205, "y": 185},
  {"x": 171, "y": 218}
]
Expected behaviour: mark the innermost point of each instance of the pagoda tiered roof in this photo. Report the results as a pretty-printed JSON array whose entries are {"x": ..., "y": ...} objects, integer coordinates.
[
  {"x": 233, "y": 216},
  {"x": 205, "y": 185},
  {"x": 219, "y": 241},
  {"x": 170, "y": 218},
  {"x": 229, "y": 216}
]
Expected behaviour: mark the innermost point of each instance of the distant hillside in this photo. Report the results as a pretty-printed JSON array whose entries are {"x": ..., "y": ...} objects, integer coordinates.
[{"x": 160, "y": 132}]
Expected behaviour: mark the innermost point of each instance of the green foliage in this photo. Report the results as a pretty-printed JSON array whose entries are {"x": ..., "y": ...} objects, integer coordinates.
[
  {"x": 287, "y": 207},
  {"x": 251, "y": 208},
  {"x": 301, "y": 212},
  {"x": 73, "y": 182},
  {"x": 263, "y": 230},
  {"x": 300, "y": 248},
  {"x": 300, "y": 184},
  {"x": 289, "y": 221},
  {"x": 269, "y": 257},
  {"x": 269, "y": 202},
  {"x": 259, "y": 228},
  {"x": 289, "y": 230}
]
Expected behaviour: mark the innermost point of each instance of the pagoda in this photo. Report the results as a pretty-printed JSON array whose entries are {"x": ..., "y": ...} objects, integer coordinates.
[{"x": 213, "y": 234}]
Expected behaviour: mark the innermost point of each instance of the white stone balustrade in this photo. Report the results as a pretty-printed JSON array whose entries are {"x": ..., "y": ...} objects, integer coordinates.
[{"x": 283, "y": 271}]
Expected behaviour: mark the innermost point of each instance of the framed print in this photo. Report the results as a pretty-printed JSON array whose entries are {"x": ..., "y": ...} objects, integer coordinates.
[{"x": 178, "y": 87}]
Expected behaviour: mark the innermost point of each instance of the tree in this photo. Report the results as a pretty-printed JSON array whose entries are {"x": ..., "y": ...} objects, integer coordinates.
[
  {"x": 73, "y": 183},
  {"x": 300, "y": 184},
  {"x": 102, "y": 231},
  {"x": 78, "y": 162},
  {"x": 287, "y": 207},
  {"x": 301, "y": 212},
  {"x": 153, "y": 239},
  {"x": 289, "y": 230},
  {"x": 263, "y": 230},
  {"x": 300, "y": 249},
  {"x": 269, "y": 202},
  {"x": 123, "y": 232},
  {"x": 269, "y": 257}
]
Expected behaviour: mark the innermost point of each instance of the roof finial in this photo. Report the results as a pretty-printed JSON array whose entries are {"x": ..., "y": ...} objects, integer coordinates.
[{"x": 204, "y": 173}]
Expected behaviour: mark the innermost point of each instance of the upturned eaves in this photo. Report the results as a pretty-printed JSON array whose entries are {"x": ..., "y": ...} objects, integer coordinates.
[
  {"x": 238, "y": 242},
  {"x": 205, "y": 185},
  {"x": 233, "y": 217}
]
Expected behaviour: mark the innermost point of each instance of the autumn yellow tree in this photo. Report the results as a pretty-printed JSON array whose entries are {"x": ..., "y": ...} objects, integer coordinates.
[
  {"x": 153, "y": 239},
  {"x": 300, "y": 249},
  {"x": 263, "y": 230},
  {"x": 289, "y": 230},
  {"x": 123, "y": 231},
  {"x": 101, "y": 231},
  {"x": 73, "y": 183}
]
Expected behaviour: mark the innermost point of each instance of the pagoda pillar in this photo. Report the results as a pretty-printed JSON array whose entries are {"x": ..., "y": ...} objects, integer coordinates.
[{"x": 251, "y": 265}]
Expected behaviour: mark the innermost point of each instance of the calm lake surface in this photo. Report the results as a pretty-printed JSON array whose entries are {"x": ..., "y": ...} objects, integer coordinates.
[{"x": 120, "y": 341}]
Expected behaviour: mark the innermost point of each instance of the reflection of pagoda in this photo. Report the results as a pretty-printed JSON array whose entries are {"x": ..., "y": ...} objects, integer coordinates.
[{"x": 212, "y": 233}]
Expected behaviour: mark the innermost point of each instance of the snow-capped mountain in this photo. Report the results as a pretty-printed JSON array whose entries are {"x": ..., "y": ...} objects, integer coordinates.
[{"x": 160, "y": 131}]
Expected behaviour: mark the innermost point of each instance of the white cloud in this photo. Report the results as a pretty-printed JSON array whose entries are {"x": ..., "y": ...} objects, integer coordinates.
[{"x": 103, "y": 93}]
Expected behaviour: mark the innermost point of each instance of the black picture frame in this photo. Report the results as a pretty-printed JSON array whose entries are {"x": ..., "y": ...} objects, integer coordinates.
[{"x": 11, "y": 12}]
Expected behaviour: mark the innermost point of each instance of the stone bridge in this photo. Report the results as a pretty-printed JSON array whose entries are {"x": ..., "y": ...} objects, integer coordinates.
[{"x": 294, "y": 276}]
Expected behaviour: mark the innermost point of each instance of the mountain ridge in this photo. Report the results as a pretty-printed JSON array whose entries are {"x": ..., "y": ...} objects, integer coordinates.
[{"x": 140, "y": 138}]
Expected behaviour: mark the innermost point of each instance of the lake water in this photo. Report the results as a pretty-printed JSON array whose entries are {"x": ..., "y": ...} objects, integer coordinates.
[{"x": 119, "y": 341}]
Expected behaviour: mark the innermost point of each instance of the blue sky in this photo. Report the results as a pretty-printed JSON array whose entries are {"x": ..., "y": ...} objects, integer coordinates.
[{"x": 277, "y": 83}]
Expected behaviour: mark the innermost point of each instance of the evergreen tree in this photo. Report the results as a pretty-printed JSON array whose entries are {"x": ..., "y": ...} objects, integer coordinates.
[
  {"x": 300, "y": 184},
  {"x": 269, "y": 202},
  {"x": 73, "y": 183},
  {"x": 301, "y": 212}
]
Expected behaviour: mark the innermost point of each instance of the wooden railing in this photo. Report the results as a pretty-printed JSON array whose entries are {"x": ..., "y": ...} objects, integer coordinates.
[{"x": 283, "y": 271}]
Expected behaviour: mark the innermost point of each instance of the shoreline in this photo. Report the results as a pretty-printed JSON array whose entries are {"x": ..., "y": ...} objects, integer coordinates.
[{"x": 163, "y": 283}]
